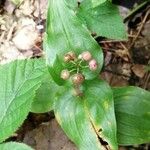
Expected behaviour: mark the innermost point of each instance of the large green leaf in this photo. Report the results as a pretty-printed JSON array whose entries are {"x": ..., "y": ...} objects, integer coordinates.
[
  {"x": 88, "y": 120},
  {"x": 19, "y": 80},
  {"x": 73, "y": 4},
  {"x": 93, "y": 3},
  {"x": 104, "y": 20},
  {"x": 96, "y": 3},
  {"x": 132, "y": 106},
  {"x": 66, "y": 33},
  {"x": 45, "y": 95},
  {"x": 14, "y": 146},
  {"x": 100, "y": 104}
]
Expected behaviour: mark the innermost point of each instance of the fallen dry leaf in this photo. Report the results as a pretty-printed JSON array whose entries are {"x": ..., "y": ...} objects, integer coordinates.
[
  {"x": 9, "y": 53},
  {"x": 48, "y": 136},
  {"x": 26, "y": 37},
  {"x": 9, "y": 6},
  {"x": 123, "y": 53},
  {"x": 139, "y": 70}
]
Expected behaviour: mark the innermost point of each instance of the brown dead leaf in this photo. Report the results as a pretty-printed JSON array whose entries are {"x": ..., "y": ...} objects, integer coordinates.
[
  {"x": 126, "y": 69},
  {"x": 26, "y": 34},
  {"x": 124, "y": 54},
  {"x": 48, "y": 136},
  {"x": 139, "y": 70},
  {"x": 9, "y": 6},
  {"x": 114, "y": 80},
  {"x": 9, "y": 53}
]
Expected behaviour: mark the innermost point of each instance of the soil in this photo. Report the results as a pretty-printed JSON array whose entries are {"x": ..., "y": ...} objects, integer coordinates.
[{"x": 126, "y": 63}]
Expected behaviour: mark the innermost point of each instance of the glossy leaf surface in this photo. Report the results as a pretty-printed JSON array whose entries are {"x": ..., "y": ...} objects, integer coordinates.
[
  {"x": 88, "y": 120},
  {"x": 104, "y": 20},
  {"x": 132, "y": 106},
  {"x": 45, "y": 95},
  {"x": 100, "y": 105},
  {"x": 19, "y": 80},
  {"x": 96, "y": 3},
  {"x": 66, "y": 33}
]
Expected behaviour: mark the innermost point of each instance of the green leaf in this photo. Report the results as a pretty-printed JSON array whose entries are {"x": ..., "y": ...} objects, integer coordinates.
[
  {"x": 132, "y": 106},
  {"x": 96, "y": 3},
  {"x": 93, "y": 3},
  {"x": 104, "y": 20},
  {"x": 66, "y": 33},
  {"x": 45, "y": 95},
  {"x": 71, "y": 115},
  {"x": 14, "y": 146},
  {"x": 19, "y": 80},
  {"x": 17, "y": 2},
  {"x": 89, "y": 127},
  {"x": 100, "y": 105},
  {"x": 73, "y": 4}
]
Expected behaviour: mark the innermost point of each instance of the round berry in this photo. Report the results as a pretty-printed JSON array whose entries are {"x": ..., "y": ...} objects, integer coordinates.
[
  {"x": 69, "y": 56},
  {"x": 93, "y": 65},
  {"x": 65, "y": 74},
  {"x": 80, "y": 56},
  {"x": 73, "y": 55},
  {"x": 78, "y": 78},
  {"x": 86, "y": 56}
]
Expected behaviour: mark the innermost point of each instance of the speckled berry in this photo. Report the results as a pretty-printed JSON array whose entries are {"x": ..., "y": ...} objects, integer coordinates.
[
  {"x": 93, "y": 65},
  {"x": 69, "y": 56},
  {"x": 86, "y": 56},
  {"x": 73, "y": 55},
  {"x": 65, "y": 74},
  {"x": 78, "y": 78}
]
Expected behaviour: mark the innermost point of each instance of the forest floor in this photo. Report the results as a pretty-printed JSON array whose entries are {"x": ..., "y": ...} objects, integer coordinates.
[{"x": 126, "y": 62}]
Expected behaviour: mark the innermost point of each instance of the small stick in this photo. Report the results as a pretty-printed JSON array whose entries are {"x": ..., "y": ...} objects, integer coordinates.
[
  {"x": 123, "y": 46},
  {"x": 11, "y": 31},
  {"x": 136, "y": 9},
  {"x": 111, "y": 41},
  {"x": 2, "y": 36},
  {"x": 146, "y": 80},
  {"x": 109, "y": 49},
  {"x": 38, "y": 48},
  {"x": 140, "y": 29},
  {"x": 133, "y": 36}
]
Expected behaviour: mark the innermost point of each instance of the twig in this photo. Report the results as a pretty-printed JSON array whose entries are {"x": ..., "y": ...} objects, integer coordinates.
[
  {"x": 2, "y": 36},
  {"x": 133, "y": 36},
  {"x": 123, "y": 46},
  {"x": 146, "y": 80},
  {"x": 109, "y": 49},
  {"x": 111, "y": 41},
  {"x": 38, "y": 48},
  {"x": 11, "y": 31},
  {"x": 136, "y": 9},
  {"x": 140, "y": 29}
]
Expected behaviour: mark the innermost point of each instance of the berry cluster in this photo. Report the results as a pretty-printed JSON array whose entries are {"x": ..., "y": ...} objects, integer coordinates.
[{"x": 78, "y": 78}]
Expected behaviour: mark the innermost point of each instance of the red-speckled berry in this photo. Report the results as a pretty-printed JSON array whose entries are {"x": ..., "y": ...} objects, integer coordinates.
[
  {"x": 93, "y": 65},
  {"x": 78, "y": 78},
  {"x": 65, "y": 74}
]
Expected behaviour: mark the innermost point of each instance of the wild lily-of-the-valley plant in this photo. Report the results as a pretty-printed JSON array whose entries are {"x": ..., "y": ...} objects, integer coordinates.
[{"x": 92, "y": 114}]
